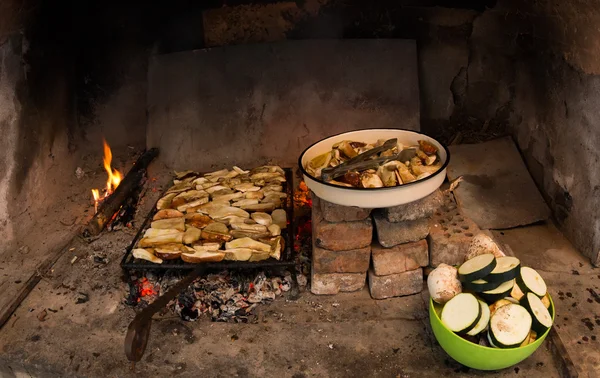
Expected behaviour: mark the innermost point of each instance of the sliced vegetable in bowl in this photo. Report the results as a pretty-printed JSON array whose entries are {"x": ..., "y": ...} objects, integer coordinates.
[
  {"x": 461, "y": 314},
  {"x": 530, "y": 281},
  {"x": 476, "y": 268},
  {"x": 542, "y": 320},
  {"x": 509, "y": 326},
  {"x": 499, "y": 292},
  {"x": 506, "y": 269},
  {"x": 484, "y": 320}
]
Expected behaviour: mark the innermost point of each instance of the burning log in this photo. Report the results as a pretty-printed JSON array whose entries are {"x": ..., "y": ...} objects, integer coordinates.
[{"x": 113, "y": 203}]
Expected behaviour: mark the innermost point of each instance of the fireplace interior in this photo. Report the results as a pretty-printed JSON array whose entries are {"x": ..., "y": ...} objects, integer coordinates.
[{"x": 132, "y": 94}]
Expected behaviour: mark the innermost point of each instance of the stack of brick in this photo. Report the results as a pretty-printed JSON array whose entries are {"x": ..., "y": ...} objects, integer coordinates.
[
  {"x": 341, "y": 247},
  {"x": 401, "y": 250},
  {"x": 450, "y": 234}
]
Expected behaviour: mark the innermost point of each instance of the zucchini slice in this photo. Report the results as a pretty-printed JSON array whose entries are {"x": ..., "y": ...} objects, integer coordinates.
[
  {"x": 507, "y": 268},
  {"x": 461, "y": 313},
  {"x": 541, "y": 318},
  {"x": 479, "y": 286},
  {"x": 490, "y": 340},
  {"x": 498, "y": 293},
  {"x": 477, "y": 267},
  {"x": 530, "y": 281},
  {"x": 484, "y": 320},
  {"x": 510, "y": 326}
]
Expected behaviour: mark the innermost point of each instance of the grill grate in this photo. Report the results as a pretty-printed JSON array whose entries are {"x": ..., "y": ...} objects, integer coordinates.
[{"x": 129, "y": 263}]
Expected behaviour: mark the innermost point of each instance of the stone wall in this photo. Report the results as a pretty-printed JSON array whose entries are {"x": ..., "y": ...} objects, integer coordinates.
[{"x": 557, "y": 113}]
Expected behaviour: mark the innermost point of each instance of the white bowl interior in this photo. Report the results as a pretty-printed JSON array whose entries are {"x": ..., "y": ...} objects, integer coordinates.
[{"x": 405, "y": 137}]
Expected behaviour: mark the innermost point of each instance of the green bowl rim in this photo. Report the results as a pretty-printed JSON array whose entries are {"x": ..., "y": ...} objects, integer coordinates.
[{"x": 501, "y": 350}]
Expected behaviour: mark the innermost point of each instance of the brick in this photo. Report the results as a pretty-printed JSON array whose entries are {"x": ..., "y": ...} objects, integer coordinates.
[
  {"x": 395, "y": 285},
  {"x": 400, "y": 258},
  {"x": 333, "y": 283},
  {"x": 450, "y": 235},
  {"x": 342, "y": 236},
  {"x": 423, "y": 208},
  {"x": 337, "y": 213},
  {"x": 352, "y": 261},
  {"x": 391, "y": 234}
]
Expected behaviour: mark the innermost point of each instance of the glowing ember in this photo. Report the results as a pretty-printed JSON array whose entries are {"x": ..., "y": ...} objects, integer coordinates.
[
  {"x": 146, "y": 288},
  {"x": 114, "y": 177}
]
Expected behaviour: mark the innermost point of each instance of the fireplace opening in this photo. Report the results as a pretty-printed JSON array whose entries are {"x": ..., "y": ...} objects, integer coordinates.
[{"x": 109, "y": 111}]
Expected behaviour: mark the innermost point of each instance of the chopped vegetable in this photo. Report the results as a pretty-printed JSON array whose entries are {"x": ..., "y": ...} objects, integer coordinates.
[
  {"x": 480, "y": 286},
  {"x": 461, "y": 314},
  {"x": 477, "y": 267},
  {"x": 530, "y": 281},
  {"x": 483, "y": 320},
  {"x": 541, "y": 317},
  {"x": 498, "y": 293},
  {"x": 509, "y": 326},
  {"x": 443, "y": 283},
  {"x": 507, "y": 268}
]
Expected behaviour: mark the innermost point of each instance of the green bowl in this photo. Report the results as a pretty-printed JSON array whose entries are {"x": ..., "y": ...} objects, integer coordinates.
[{"x": 476, "y": 356}]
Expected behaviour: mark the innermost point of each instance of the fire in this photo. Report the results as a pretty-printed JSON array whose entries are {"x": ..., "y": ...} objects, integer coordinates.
[
  {"x": 114, "y": 177},
  {"x": 146, "y": 288}
]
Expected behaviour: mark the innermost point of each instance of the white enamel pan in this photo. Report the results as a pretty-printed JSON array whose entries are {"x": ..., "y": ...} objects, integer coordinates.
[{"x": 374, "y": 197}]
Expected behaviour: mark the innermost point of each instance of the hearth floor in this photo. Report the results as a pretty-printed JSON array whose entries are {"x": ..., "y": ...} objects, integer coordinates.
[{"x": 345, "y": 335}]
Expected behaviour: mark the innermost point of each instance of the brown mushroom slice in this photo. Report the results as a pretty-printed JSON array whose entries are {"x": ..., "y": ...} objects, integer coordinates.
[
  {"x": 279, "y": 218},
  {"x": 238, "y": 234},
  {"x": 255, "y": 195},
  {"x": 277, "y": 244},
  {"x": 165, "y": 202},
  {"x": 198, "y": 220},
  {"x": 272, "y": 188},
  {"x": 248, "y": 243},
  {"x": 146, "y": 254},
  {"x": 207, "y": 246},
  {"x": 224, "y": 211},
  {"x": 346, "y": 149},
  {"x": 262, "y": 218},
  {"x": 427, "y": 147},
  {"x": 152, "y": 232},
  {"x": 197, "y": 257},
  {"x": 171, "y": 223},
  {"x": 178, "y": 188},
  {"x": 405, "y": 175},
  {"x": 274, "y": 229},
  {"x": 259, "y": 256},
  {"x": 249, "y": 227},
  {"x": 193, "y": 204},
  {"x": 166, "y": 214},
  {"x": 217, "y": 232},
  {"x": 246, "y": 187},
  {"x": 217, "y": 188},
  {"x": 228, "y": 197},
  {"x": 370, "y": 180},
  {"x": 169, "y": 251},
  {"x": 161, "y": 239},
  {"x": 268, "y": 206},
  {"x": 244, "y": 202},
  {"x": 238, "y": 254},
  {"x": 191, "y": 234}
]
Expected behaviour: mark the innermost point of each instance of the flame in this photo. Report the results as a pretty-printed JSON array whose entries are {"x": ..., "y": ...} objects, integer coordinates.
[{"x": 114, "y": 177}]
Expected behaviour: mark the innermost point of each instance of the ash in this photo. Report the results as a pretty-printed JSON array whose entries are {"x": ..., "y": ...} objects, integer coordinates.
[{"x": 223, "y": 297}]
